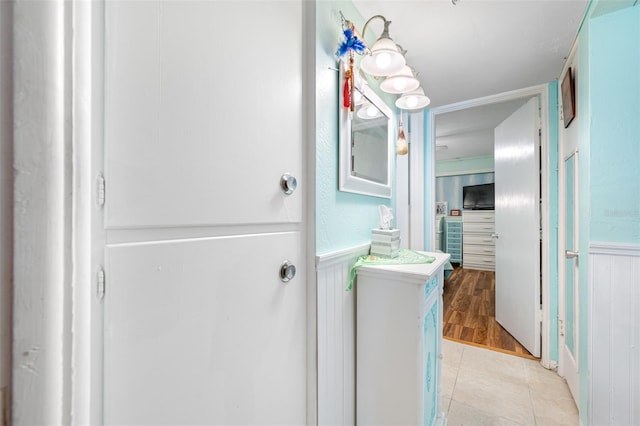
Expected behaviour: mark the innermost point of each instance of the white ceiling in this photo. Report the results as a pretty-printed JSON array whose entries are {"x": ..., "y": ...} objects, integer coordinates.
[
  {"x": 469, "y": 132},
  {"x": 474, "y": 49}
]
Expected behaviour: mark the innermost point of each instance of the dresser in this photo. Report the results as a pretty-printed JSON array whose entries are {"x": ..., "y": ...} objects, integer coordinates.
[
  {"x": 478, "y": 245},
  {"x": 452, "y": 234}
]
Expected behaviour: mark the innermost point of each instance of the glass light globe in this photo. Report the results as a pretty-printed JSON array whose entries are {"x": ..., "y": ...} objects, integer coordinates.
[
  {"x": 383, "y": 60},
  {"x": 412, "y": 101},
  {"x": 399, "y": 85},
  {"x": 400, "y": 82}
]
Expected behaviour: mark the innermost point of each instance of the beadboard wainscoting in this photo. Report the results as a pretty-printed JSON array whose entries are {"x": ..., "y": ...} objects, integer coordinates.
[
  {"x": 336, "y": 337},
  {"x": 614, "y": 343}
]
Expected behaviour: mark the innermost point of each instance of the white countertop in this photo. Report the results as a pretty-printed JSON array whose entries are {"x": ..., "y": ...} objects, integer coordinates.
[{"x": 420, "y": 272}]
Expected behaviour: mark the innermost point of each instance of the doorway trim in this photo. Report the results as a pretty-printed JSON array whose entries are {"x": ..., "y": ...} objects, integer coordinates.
[{"x": 430, "y": 164}]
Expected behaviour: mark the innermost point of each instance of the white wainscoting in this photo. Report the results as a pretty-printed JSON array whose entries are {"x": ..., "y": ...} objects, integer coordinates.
[
  {"x": 614, "y": 340},
  {"x": 336, "y": 337}
]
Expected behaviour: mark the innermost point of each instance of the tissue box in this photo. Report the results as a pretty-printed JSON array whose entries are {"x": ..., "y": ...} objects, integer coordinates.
[
  {"x": 385, "y": 242},
  {"x": 384, "y": 235}
]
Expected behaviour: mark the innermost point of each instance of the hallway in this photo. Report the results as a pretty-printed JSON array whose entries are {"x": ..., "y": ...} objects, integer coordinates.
[{"x": 485, "y": 387}]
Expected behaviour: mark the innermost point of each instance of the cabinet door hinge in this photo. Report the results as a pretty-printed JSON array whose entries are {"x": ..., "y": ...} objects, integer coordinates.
[
  {"x": 539, "y": 316},
  {"x": 101, "y": 284},
  {"x": 561, "y": 326},
  {"x": 101, "y": 190}
]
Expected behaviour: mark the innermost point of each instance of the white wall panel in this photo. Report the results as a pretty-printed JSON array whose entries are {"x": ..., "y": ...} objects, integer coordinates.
[
  {"x": 336, "y": 337},
  {"x": 614, "y": 343}
]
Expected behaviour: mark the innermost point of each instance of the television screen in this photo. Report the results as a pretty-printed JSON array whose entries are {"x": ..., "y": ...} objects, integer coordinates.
[{"x": 478, "y": 197}]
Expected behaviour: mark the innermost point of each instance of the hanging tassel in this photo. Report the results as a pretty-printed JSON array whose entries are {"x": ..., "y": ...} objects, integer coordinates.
[
  {"x": 346, "y": 92},
  {"x": 352, "y": 81}
]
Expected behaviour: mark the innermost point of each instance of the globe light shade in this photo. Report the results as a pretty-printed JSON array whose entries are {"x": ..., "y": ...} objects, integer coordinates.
[
  {"x": 368, "y": 111},
  {"x": 401, "y": 82},
  {"x": 385, "y": 58},
  {"x": 413, "y": 101}
]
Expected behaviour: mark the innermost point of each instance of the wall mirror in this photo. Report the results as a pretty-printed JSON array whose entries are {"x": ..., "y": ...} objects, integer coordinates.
[{"x": 366, "y": 147}]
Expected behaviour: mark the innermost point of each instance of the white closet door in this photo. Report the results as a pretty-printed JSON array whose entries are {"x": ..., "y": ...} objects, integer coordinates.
[
  {"x": 203, "y": 115},
  {"x": 517, "y": 225},
  {"x": 203, "y": 112},
  {"x": 198, "y": 335}
]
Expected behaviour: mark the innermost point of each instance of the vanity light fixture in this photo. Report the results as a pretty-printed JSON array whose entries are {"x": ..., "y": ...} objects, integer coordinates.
[
  {"x": 385, "y": 57},
  {"x": 413, "y": 101},
  {"x": 401, "y": 82}
]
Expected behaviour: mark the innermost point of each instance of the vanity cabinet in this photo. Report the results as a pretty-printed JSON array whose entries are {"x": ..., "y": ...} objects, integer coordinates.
[
  {"x": 478, "y": 249},
  {"x": 399, "y": 343},
  {"x": 453, "y": 237}
]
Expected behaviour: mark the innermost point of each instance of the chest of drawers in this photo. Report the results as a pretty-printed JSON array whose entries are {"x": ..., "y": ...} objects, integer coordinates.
[
  {"x": 452, "y": 229},
  {"x": 478, "y": 248}
]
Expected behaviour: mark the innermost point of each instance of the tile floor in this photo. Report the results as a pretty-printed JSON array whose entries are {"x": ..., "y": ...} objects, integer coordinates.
[{"x": 484, "y": 387}]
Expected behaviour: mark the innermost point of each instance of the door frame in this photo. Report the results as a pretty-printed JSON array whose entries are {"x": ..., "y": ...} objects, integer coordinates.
[
  {"x": 562, "y": 269},
  {"x": 567, "y": 146},
  {"x": 430, "y": 148}
]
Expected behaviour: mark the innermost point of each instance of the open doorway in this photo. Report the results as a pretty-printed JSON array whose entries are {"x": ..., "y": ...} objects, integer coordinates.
[{"x": 439, "y": 117}]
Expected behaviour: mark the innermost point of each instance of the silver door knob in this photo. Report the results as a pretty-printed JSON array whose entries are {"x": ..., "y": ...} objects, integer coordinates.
[
  {"x": 570, "y": 254},
  {"x": 494, "y": 235},
  {"x": 288, "y": 183},
  {"x": 287, "y": 271}
]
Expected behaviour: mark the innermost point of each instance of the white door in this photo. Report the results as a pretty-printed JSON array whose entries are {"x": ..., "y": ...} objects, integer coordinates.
[
  {"x": 203, "y": 115},
  {"x": 569, "y": 302},
  {"x": 517, "y": 224}
]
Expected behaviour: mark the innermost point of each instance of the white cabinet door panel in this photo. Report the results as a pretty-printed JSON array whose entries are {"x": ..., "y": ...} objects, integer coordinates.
[
  {"x": 205, "y": 332},
  {"x": 197, "y": 131}
]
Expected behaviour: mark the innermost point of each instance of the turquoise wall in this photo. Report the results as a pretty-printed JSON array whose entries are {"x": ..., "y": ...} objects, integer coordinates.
[
  {"x": 342, "y": 219},
  {"x": 449, "y": 188},
  {"x": 608, "y": 108},
  {"x": 460, "y": 166},
  {"x": 615, "y": 127},
  {"x": 429, "y": 209}
]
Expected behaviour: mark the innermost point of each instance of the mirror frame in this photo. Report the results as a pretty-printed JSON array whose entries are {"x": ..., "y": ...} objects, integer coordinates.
[{"x": 347, "y": 182}]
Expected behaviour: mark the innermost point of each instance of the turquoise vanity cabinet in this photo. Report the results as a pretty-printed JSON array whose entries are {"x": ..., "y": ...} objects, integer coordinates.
[
  {"x": 453, "y": 237},
  {"x": 399, "y": 343}
]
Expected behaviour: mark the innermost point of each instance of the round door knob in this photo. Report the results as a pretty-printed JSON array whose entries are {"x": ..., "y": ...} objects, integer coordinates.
[
  {"x": 288, "y": 183},
  {"x": 287, "y": 271}
]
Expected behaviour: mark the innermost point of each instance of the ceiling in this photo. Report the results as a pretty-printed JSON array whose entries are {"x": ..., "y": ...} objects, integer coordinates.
[
  {"x": 469, "y": 132},
  {"x": 474, "y": 49}
]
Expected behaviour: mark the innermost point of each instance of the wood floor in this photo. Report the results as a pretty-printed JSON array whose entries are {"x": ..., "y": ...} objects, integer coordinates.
[{"x": 469, "y": 312}]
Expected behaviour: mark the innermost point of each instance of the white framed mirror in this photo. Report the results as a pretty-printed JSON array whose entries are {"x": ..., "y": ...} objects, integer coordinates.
[{"x": 366, "y": 142}]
